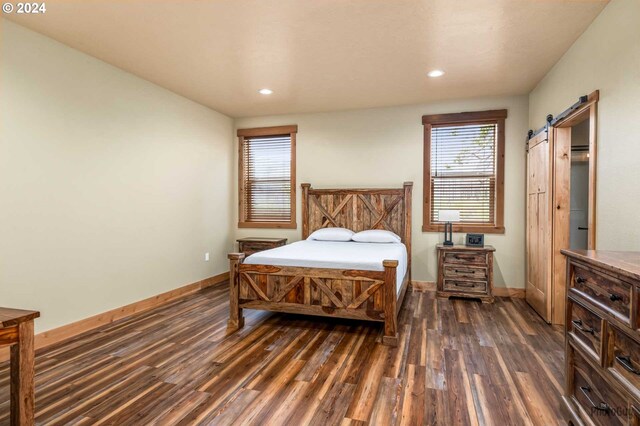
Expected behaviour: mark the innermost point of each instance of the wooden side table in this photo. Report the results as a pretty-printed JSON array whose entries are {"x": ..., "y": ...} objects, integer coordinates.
[
  {"x": 16, "y": 329},
  {"x": 465, "y": 272},
  {"x": 251, "y": 245}
]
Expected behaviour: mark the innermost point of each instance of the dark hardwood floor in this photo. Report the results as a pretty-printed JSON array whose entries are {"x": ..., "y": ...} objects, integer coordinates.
[{"x": 458, "y": 362}]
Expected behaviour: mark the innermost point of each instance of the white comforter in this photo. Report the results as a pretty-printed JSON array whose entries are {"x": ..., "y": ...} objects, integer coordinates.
[{"x": 335, "y": 255}]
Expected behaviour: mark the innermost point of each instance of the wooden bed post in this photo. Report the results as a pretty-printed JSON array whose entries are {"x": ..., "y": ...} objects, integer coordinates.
[
  {"x": 236, "y": 320},
  {"x": 305, "y": 210},
  {"x": 408, "y": 188},
  {"x": 390, "y": 337}
]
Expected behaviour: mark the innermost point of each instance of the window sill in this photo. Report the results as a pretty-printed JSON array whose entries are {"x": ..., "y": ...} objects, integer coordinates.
[
  {"x": 275, "y": 225},
  {"x": 482, "y": 229}
]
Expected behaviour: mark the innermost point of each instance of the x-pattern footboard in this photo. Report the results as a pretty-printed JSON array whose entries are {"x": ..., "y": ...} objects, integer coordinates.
[
  {"x": 328, "y": 289},
  {"x": 330, "y": 293},
  {"x": 356, "y": 294}
]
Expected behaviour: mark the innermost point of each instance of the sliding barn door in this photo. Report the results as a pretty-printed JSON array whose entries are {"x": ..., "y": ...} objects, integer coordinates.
[{"x": 539, "y": 221}]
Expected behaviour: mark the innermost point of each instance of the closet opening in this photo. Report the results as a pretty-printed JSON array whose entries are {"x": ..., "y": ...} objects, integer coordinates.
[{"x": 579, "y": 187}]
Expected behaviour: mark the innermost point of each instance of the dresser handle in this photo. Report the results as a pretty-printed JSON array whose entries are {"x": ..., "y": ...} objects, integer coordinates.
[
  {"x": 580, "y": 280},
  {"x": 614, "y": 297},
  {"x": 600, "y": 407},
  {"x": 625, "y": 361},
  {"x": 578, "y": 324}
]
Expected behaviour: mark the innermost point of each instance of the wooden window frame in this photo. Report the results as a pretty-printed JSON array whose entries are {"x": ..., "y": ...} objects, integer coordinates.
[
  {"x": 497, "y": 117},
  {"x": 266, "y": 131}
]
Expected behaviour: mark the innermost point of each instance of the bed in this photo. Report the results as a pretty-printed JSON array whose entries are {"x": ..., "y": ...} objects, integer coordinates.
[{"x": 363, "y": 281}]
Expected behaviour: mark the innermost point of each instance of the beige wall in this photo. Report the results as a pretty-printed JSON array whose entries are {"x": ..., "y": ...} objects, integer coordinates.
[
  {"x": 605, "y": 57},
  {"x": 383, "y": 147},
  {"x": 112, "y": 189}
]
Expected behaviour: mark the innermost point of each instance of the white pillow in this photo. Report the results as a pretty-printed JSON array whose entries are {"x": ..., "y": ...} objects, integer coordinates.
[
  {"x": 376, "y": 236},
  {"x": 331, "y": 234}
]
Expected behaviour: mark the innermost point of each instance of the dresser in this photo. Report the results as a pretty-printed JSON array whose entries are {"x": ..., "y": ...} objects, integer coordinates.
[
  {"x": 251, "y": 245},
  {"x": 465, "y": 272},
  {"x": 602, "y": 365}
]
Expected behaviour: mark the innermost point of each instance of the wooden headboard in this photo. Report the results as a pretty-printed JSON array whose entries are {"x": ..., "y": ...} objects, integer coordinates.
[{"x": 358, "y": 210}]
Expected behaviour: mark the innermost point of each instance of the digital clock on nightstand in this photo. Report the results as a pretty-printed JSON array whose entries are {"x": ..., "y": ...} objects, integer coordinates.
[{"x": 475, "y": 240}]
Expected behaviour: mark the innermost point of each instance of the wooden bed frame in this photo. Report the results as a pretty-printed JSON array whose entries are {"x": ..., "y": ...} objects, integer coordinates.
[{"x": 355, "y": 294}]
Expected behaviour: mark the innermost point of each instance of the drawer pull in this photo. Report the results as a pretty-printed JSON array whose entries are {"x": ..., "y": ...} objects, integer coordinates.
[
  {"x": 578, "y": 324},
  {"x": 614, "y": 297},
  {"x": 460, "y": 284},
  {"x": 625, "y": 361},
  {"x": 580, "y": 280},
  {"x": 586, "y": 390}
]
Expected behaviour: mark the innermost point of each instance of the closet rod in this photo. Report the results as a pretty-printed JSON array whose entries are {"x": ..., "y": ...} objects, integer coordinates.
[{"x": 580, "y": 148}]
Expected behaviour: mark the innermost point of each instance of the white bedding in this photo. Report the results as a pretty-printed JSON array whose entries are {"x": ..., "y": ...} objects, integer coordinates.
[{"x": 335, "y": 255}]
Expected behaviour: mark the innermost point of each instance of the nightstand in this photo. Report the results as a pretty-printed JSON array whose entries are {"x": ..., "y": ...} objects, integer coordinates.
[
  {"x": 251, "y": 245},
  {"x": 465, "y": 272}
]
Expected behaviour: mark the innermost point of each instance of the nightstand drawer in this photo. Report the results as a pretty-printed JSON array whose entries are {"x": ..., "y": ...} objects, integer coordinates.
[
  {"x": 586, "y": 327},
  {"x": 464, "y": 271},
  {"x": 249, "y": 246},
  {"x": 255, "y": 247},
  {"x": 609, "y": 293},
  {"x": 466, "y": 258},
  {"x": 465, "y": 286}
]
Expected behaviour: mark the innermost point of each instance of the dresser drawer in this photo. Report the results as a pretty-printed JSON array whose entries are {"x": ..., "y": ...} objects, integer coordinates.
[
  {"x": 609, "y": 293},
  {"x": 624, "y": 362},
  {"x": 465, "y": 286},
  {"x": 635, "y": 415},
  {"x": 464, "y": 271},
  {"x": 586, "y": 327},
  {"x": 591, "y": 392},
  {"x": 466, "y": 258}
]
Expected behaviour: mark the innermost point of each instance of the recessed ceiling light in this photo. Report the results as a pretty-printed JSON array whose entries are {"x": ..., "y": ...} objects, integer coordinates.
[
  {"x": 265, "y": 91},
  {"x": 435, "y": 73}
]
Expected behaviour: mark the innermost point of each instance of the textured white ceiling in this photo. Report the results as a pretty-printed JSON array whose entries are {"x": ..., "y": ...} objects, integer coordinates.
[{"x": 321, "y": 55}]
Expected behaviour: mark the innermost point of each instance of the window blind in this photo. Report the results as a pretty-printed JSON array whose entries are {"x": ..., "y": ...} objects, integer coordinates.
[
  {"x": 267, "y": 178},
  {"x": 463, "y": 171}
]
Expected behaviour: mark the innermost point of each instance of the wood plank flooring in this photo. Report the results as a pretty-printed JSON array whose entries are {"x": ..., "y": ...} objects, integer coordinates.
[{"x": 458, "y": 362}]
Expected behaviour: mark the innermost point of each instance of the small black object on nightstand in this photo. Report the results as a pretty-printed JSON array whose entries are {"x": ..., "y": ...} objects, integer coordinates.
[{"x": 475, "y": 240}]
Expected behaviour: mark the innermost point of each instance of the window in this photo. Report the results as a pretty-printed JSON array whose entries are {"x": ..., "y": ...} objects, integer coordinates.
[
  {"x": 464, "y": 170},
  {"x": 267, "y": 177}
]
